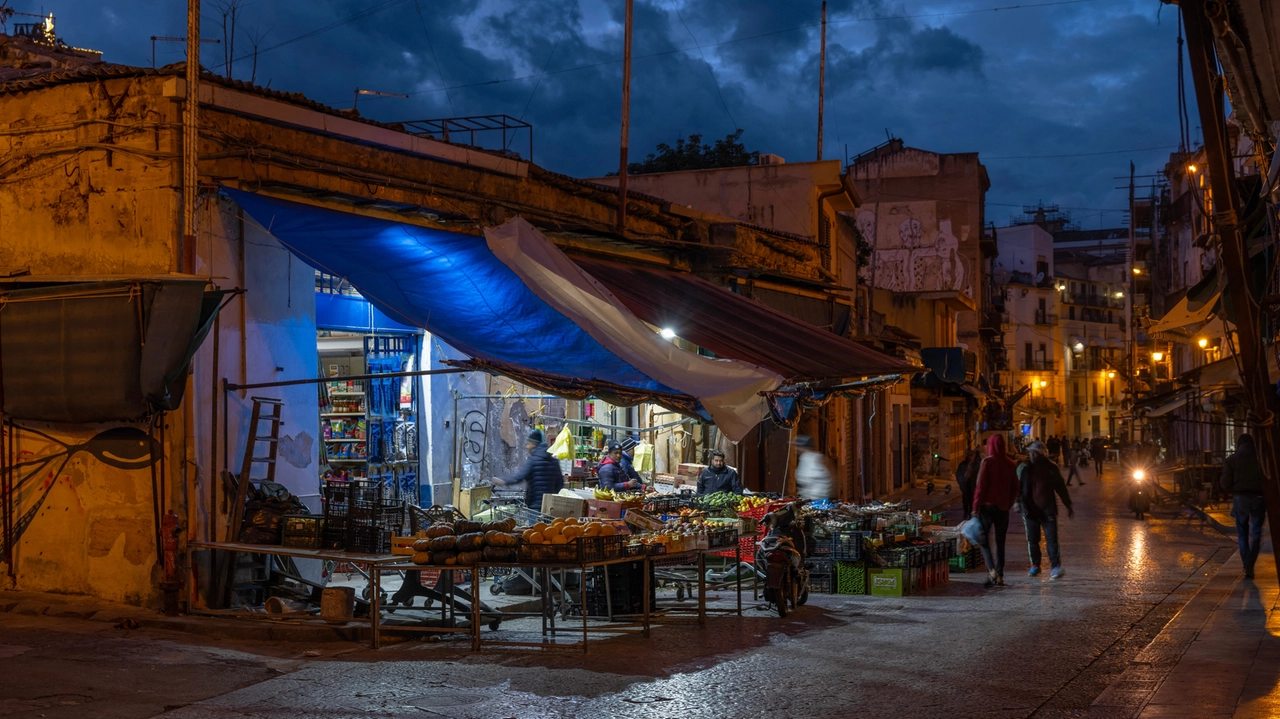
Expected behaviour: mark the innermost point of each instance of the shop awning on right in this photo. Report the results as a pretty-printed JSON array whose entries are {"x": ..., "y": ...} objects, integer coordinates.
[{"x": 736, "y": 327}]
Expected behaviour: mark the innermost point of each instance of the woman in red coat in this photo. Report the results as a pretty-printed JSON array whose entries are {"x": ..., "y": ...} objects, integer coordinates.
[{"x": 993, "y": 497}]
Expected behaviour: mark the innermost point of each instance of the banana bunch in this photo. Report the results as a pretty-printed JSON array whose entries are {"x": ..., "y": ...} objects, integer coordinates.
[{"x": 604, "y": 494}]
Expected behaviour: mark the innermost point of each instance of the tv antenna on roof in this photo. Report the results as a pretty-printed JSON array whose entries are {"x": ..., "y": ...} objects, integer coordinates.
[{"x": 356, "y": 105}]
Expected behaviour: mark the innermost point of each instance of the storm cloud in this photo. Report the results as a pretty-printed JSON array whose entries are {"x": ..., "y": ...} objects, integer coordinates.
[{"x": 1015, "y": 84}]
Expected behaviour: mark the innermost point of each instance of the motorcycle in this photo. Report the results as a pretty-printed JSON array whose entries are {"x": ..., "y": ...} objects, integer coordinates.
[
  {"x": 780, "y": 558},
  {"x": 1139, "y": 494}
]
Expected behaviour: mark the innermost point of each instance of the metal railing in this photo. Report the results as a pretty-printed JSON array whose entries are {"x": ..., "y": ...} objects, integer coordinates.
[{"x": 1046, "y": 318}]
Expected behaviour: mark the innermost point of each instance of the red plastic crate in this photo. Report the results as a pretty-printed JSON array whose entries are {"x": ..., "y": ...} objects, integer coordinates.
[{"x": 746, "y": 544}]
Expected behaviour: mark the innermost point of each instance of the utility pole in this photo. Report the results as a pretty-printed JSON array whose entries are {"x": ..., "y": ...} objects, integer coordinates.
[
  {"x": 822, "y": 76},
  {"x": 190, "y": 140},
  {"x": 1129, "y": 339},
  {"x": 626, "y": 120},
  {"x": 1259, "y": 391}
]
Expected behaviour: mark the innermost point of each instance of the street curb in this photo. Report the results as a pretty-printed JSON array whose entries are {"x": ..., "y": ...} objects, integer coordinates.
[
  {"x": 250, "y": 628},
  {"x": 1130, "y": 692}
]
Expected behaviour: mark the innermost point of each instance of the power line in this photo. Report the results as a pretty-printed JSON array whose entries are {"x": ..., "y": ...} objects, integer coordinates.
[
  {"x": 337, "y": 23},
  {"x": 710, "y": 70},
  {"x": 431, "y": 46}
]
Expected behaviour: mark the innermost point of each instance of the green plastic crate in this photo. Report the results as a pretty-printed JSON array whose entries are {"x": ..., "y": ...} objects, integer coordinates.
[
  {"x": 851, "y": 578},
  {"x": 967, "y": 561}
]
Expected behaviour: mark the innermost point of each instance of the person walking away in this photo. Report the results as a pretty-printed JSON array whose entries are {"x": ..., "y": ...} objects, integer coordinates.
[
  {"x": 1041, "y": 486},
  {"x": 813, "y": 476},
  {"x": 996, "y": 490},
  {"x": 1242, "y": 477},
  {"x": 1071, "y": 455},
  {"x": 540, "y": 474},
  {"x": 1054, "y": 446},
  {"x": 966, "y": 478},
  {"x": 719, "y": 477},
  {"x": 1097, "y": 450},
  {"x": 610, "y": 472}
]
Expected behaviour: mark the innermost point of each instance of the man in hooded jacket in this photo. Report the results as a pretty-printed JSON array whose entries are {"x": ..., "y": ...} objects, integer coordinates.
[
  {"x": 993, "y": 497},
  {"x": 1041, "y": 486},
  {"x": 540, "y": 474}
]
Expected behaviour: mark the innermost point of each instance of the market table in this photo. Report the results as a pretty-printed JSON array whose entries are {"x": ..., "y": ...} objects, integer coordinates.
[
  {"x": 477, "y": 615},
  {"x": 370, "y": 561}
]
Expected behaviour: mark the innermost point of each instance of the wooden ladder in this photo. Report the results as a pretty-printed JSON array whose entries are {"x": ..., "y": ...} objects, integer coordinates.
[{"x": 264, "y": 430}]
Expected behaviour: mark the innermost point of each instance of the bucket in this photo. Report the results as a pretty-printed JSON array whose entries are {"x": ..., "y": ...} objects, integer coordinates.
[{"x": 337, "y": 604}]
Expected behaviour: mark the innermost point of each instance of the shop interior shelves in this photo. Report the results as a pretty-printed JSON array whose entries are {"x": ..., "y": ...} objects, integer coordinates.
[
  {"x": 342, "y": 414},
  {"x": 344, "y": 439},
  {"x": 346, "y": 394}
]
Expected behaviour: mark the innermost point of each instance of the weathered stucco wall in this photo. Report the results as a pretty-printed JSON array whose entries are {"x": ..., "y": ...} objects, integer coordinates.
[{"x": 87, "y": 187}]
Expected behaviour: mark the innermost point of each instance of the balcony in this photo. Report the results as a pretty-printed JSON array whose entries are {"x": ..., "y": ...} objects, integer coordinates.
[
  {"x": 1091, "y": 300},
  {"x": 1046, "y": 318},
  {"x": 1044, "y": 405},
  {"x": 1037, "y": 365}
]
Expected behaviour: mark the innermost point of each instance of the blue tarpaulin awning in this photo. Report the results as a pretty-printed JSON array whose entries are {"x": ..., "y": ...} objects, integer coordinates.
[{"x": 517, "y": 306}]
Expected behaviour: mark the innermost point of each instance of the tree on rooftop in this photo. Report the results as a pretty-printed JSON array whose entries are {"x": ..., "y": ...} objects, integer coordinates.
[{"x": 692, "y": 154}]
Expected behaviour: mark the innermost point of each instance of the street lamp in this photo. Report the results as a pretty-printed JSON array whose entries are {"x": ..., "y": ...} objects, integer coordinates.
[
  {"x": 1203, "y": 342},
  {"x": 1192, "y": 169},
  {"x": 1137, "y": 270},
  {"x": 667, "y": 333},
  {"x": 1043, "y": 384},
  {"x": 1111, "y": 374},
  {"x": 1158, "y": 356}
]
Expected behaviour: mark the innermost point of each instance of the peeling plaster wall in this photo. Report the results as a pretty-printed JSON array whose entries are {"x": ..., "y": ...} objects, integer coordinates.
[{"x": 109, "y": 209}]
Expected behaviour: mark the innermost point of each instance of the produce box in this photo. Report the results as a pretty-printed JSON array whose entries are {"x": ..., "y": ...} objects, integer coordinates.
[
  {"x": 889, "y": 582},
  {"x": 850, "y": 577},
  {"x": 403, "y": 545},
  {"x": 470, "y": 501},
  {"x": 609, "y": 510},
  {"x": 558, "y": 505},
  {"x": 643, "y": 521},
  {"x": 302, "y": 531},
  {"x": 690, "y": 470}
]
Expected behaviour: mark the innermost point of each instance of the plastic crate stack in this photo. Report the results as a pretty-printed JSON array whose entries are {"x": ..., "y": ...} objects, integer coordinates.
[
  {"x": 359, "y": 519},
  {"x": 848, "y": 552}
]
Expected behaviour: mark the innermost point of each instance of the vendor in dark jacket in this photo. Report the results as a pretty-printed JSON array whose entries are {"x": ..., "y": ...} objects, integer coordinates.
[
  {"x": 1041, "y": 485},
  {"x": 540, "y": 474},
  {"x": 719, "y": 477},
  {"x": 1242, "y": 477},
  {"x": 611, "y": 473}
]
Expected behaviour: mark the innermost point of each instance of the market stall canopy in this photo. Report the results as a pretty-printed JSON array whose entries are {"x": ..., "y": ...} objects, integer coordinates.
[
  {"x": 516, "y": 305},
  {"x": 113, "y": 350},
  {"x": 736, "y": 327},
  {"x": 1196, "y": 307},
  {"x": 1170, "y": 404}
]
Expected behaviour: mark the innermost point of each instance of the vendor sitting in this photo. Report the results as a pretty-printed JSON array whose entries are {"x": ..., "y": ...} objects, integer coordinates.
[
  {"x": 540, "y": 474},
  {"x": 612, "y": 475},
  {"x": 719, "y": 477},
  {"x": 629, "y": 445}
]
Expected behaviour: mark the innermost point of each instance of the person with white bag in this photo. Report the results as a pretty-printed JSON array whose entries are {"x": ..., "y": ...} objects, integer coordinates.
[{"x": 993, "y": 497}]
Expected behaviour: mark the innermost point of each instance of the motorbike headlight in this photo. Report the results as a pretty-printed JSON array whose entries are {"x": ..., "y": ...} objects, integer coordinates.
[{"x": 1138, "y": 474}]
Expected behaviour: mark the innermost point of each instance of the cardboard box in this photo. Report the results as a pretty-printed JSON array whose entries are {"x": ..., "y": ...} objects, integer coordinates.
[
  {"x": 682, "y": 481},
  {"x": 470, "y": 501},
  {"x": 558, "y": 505},
  {"x": 609, "y": 510},
  {"x": 643, "y": 521},
  {"x": 888, "y": 582},
  {"x": 403, "y": 546},
  {"x": 690, "y": 469}
]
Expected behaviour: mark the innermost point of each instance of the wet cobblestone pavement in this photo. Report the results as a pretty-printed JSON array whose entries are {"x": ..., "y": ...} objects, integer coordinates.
[{"x": 1036, "y": 648}]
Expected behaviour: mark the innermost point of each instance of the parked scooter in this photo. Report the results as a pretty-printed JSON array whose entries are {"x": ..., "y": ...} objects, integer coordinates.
[
  {"x": 1139, "y": 493},
  {"x": 780, "y": 558}
]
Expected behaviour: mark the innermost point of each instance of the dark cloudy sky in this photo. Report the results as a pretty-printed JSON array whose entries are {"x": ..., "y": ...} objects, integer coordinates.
[{"x": 1065, "y": 78}]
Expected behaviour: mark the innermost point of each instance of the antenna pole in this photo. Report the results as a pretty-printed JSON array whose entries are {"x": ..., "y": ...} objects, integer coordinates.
[
  {"x": 626, "y": 120},
  {"x": 190, "y": 139},
  {"x": 822, "y": 76}
]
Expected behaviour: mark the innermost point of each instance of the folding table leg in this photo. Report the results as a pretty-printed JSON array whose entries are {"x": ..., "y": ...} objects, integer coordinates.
[
  {"x": 475, "y": 609},
  {"x": 375, "y": 606}
]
